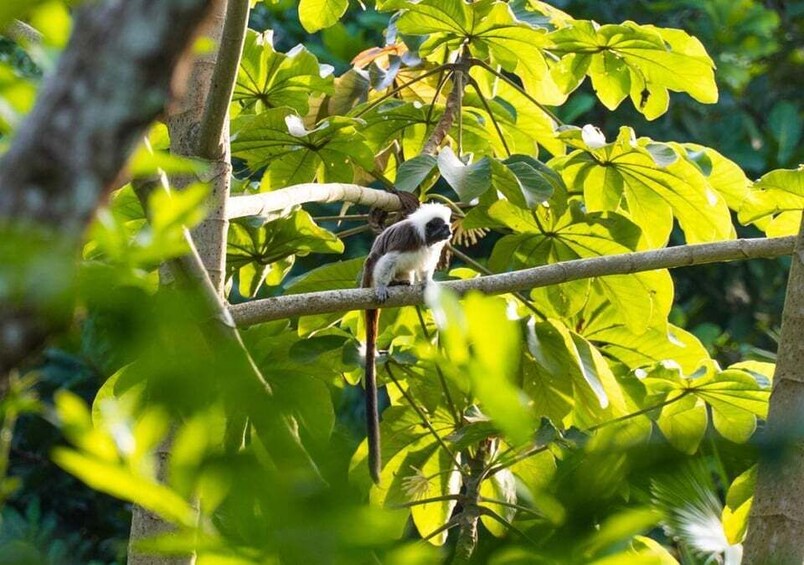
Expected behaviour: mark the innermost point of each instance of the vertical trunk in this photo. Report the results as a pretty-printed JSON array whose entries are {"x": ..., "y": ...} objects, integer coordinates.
[
  {"x": 776, "y": 525},
  {"x": 205, "y": 102}
]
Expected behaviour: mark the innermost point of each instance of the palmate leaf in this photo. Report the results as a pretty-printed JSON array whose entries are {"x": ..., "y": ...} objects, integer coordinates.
[
  {"x": 489, "y": 30},
  {"x": 640, "y": 61},
  {"x": 276, "y": 139},
  {"x": 415, "y": 468},
  {"x": 735, "y": 398},
  {"x": 775, "y": 201},
  {"x": 256, "y": 252},
  {"x": 637, "y": 178},
  {"x": 267, "y": 79},
  {"x": 638, "y": 297},
  {"x": 410, "y": 124}
]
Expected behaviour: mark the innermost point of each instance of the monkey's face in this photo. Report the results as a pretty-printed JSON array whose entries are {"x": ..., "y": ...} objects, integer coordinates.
[{"x": 436, "y": 230}]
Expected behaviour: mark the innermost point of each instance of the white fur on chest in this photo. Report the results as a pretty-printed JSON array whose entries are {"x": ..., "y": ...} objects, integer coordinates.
[
  {"x": 407, "y": 265},
  {"x": 422, "y": 261}
]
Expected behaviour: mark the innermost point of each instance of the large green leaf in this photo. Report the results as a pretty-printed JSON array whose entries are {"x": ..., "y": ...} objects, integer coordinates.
[
  {"x": 640, "y": 61},
  {"x": 277, "y": 139},
  {"x": 117, "y": 480},
  {"x": 468, "y": 181},
  {"x": 267, "y": 79},
  {"x": 488, "y": 30},
  {"x": 737, "y": 399},
  {"x": 561, "y": 354},
  {"x": 480, "y": 341},
  {"x": 315, "y": 15},
  {"x": 684, "y": 421},
  {"x": 341, "y": 274},
  {"x": 639, "y": 297},
  {"x": 632, "y": 176},
  {"x": 775, "y": 202},
  {"x": 265, "y": 253}
]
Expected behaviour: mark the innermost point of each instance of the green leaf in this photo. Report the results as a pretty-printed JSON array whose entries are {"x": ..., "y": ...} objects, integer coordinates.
[
  {"x": 778, "y": 195},
  {"x": 642, "y": 61},
  {"x": 468, "y": 181},
  {"x": 115, "y": 480},
  {"x": 315, "y": 15},
  {"x": 500, "y": 486},
  {"x": 574, "y": 235},
  {"x": 738, "y": 505},
  {"x": 736, "y": 399},
  {"x": 624, "y": 176},
  {"x": 332, "y": 276},
  {"x": 490, "y": 31},
  {"x": 277, "y": 139},
  {"x": 535, "y": 182},
  {"x": 267, "y": 79},
  {"x": 723, "y": 175},
  {"x": 254, "y": 251},
  {"x": 785, "y": 124},
  {"x": 413, "y": 172},
  {"x": 561, "y": 353},
  {"x": 683, "y": 421},
  {"x": 480, "y": 341}
]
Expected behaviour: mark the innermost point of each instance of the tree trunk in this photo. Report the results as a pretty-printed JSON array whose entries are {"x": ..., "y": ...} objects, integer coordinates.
[
  {"x": 776, "y": 525},
  {"x": 112, "y": 81},
  {"x": 199, "y": 128}
]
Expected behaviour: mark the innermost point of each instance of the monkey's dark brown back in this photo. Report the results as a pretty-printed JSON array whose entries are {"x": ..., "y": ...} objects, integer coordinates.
[{"x": 400, "y": 237}]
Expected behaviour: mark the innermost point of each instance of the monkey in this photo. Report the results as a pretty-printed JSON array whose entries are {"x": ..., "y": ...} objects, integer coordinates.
[{"x": 403, "y": 253}]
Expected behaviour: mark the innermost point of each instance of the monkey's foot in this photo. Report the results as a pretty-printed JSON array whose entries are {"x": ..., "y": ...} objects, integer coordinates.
[{"x": 382, "y": 293}]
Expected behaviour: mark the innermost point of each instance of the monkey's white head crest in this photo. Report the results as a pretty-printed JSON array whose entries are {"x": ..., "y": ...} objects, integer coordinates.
[{"x": 427, "y": 212}]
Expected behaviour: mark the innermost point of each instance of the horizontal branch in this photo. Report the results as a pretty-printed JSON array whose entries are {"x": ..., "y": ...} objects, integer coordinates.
[
  {"x": 289, "y": 306},
  {"x": 265, "y": 203}
]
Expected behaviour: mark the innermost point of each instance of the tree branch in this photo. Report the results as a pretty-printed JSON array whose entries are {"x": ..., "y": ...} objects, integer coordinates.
[
  {"x": 265, "y": 203},
  {"x": 358, "y": 299},
  {"x": 216, "y": 111}
]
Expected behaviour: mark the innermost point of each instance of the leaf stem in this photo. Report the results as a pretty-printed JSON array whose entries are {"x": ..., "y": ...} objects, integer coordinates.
[
  {"x": 486, "y": 105},
  {"x": 519, "y": 89}
]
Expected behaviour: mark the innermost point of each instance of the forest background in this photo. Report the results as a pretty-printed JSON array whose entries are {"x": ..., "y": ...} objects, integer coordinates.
[{"x": 734, "y": 309}]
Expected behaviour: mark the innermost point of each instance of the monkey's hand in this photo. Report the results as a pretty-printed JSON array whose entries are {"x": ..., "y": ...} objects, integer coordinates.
[{"x": 381, "y": 292}]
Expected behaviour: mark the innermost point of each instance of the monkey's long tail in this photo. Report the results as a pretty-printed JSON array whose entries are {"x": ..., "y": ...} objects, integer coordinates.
[{"x": 372, "y": 411}]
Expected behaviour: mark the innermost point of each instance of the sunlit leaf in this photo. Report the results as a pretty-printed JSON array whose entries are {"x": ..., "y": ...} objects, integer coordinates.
[{"x": 267, "y": 79}]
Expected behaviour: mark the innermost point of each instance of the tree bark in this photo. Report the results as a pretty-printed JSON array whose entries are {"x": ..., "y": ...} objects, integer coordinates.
[
  {"x": 112, "y": 81},
  {"x": 776, "y": 525}
]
